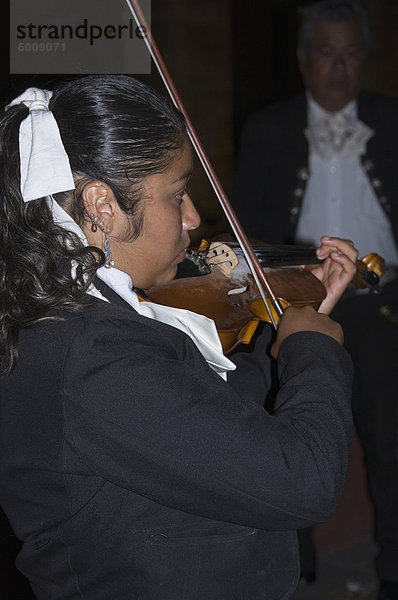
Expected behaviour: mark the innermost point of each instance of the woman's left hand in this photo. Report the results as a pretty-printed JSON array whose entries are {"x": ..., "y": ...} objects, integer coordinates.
[{"x": 337, "y": 270}]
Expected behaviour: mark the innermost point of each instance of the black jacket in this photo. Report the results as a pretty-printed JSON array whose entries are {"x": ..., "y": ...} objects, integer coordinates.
[{"x": 132, "y": 471}]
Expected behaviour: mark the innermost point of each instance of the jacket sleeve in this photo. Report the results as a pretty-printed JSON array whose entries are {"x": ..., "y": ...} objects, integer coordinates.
[
  {"x": 144, "y": 411},
  {"x": 253, "y": 377}
]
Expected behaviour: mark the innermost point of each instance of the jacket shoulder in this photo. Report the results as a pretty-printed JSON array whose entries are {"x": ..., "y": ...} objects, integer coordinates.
[
  {"x": 55, "y": 336},
  {"x": 378, "y": 110},
  {"x": 375, "y": 99},
  {"x": 277, "y": 114}
]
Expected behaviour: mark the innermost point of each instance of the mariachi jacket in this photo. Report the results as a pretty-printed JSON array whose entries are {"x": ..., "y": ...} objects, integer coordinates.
[
  {"x": 272, "y": 168},
  {"x": 132, "y": 471}
]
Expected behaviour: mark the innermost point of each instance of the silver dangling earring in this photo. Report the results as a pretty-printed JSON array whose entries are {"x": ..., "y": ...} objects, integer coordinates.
[
  {"x": 109, "y": 262},
  {"x": 93, "y": 222}
]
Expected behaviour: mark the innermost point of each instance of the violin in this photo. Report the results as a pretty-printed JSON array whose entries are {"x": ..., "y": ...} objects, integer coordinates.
[
  {"x": 215, "y": 281},
  {"x": 230, "y": 285}
]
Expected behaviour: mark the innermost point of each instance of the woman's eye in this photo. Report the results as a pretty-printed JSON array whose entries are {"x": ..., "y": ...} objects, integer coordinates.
[{"x": 181, "y": 194}]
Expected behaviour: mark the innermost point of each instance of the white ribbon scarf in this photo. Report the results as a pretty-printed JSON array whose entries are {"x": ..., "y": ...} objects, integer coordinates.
[
  {"x": 337, "y": 133},
  {"x": 200, "y": 329}
]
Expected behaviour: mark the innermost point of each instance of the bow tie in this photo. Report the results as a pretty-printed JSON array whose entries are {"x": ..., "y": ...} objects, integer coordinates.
[{"x": 338, "y": 133}]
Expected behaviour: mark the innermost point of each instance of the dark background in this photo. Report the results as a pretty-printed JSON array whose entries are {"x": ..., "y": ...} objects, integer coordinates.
[{"x": 228, "y": 58}]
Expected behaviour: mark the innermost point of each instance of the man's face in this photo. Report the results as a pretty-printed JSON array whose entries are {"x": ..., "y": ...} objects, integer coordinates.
[{"x": 332, "y": 65}]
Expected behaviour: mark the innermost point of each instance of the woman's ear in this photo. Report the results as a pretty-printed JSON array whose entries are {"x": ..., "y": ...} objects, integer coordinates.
[{"x": 100, "y": 203}]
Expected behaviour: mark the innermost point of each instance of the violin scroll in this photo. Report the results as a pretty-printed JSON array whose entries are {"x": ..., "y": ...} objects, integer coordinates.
[{"x": 369, "y": 271}]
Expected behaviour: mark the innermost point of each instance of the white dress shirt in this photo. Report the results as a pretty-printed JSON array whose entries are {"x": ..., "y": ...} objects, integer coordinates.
[{"x": 339, "y": 199}]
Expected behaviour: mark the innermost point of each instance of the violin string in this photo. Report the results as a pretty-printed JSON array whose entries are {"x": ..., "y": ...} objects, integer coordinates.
[{"x": 218, "y": 262}]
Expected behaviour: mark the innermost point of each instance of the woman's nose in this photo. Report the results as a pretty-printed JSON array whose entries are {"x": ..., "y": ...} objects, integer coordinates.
[{"x": 191, "y": 218}]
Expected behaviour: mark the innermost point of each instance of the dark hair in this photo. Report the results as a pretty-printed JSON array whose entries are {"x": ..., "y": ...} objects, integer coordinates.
[
  {"x": 114, "y": 129},
  {"x": 332, "y": 10}
]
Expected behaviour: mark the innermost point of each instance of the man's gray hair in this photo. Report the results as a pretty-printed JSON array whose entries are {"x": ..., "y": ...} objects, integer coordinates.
[{"x": 332, "y": 10}]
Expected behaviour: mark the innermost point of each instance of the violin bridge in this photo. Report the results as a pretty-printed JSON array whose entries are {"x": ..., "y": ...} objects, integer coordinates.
[{"x": 221, "y": 255}]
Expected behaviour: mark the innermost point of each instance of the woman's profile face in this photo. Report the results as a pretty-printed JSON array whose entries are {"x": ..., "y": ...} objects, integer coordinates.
[{"x": 168, "y": 214}]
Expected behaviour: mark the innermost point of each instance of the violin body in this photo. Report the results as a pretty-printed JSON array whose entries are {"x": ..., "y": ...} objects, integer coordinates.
[
  {"x": 221, "y": 287},
  {"x": 217, "y": 282}
]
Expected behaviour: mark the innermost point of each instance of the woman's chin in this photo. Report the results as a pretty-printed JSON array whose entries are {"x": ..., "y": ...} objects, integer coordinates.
[{"x": 165, "y": 278}]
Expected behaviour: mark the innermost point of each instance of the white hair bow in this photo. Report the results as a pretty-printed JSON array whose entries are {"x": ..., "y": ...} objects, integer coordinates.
[{"x": 45, "y": 167}]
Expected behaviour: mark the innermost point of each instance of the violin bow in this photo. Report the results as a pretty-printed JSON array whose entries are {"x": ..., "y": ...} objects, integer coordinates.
[{"x": 268, "y": 296}]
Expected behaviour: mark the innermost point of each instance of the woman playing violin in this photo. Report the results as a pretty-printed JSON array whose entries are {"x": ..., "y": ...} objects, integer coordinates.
[{"x": 136, "y": 461}]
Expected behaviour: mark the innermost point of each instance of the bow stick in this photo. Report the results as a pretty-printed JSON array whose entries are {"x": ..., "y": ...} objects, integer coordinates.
[{"x": 265, "y": 290}]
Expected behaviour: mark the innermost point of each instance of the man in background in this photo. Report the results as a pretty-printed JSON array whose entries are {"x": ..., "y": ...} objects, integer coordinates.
[{"x": 327, "y": 161}]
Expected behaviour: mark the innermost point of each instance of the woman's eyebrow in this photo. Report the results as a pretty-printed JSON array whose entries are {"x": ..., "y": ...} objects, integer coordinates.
[{"x": 186, "y": 175}]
